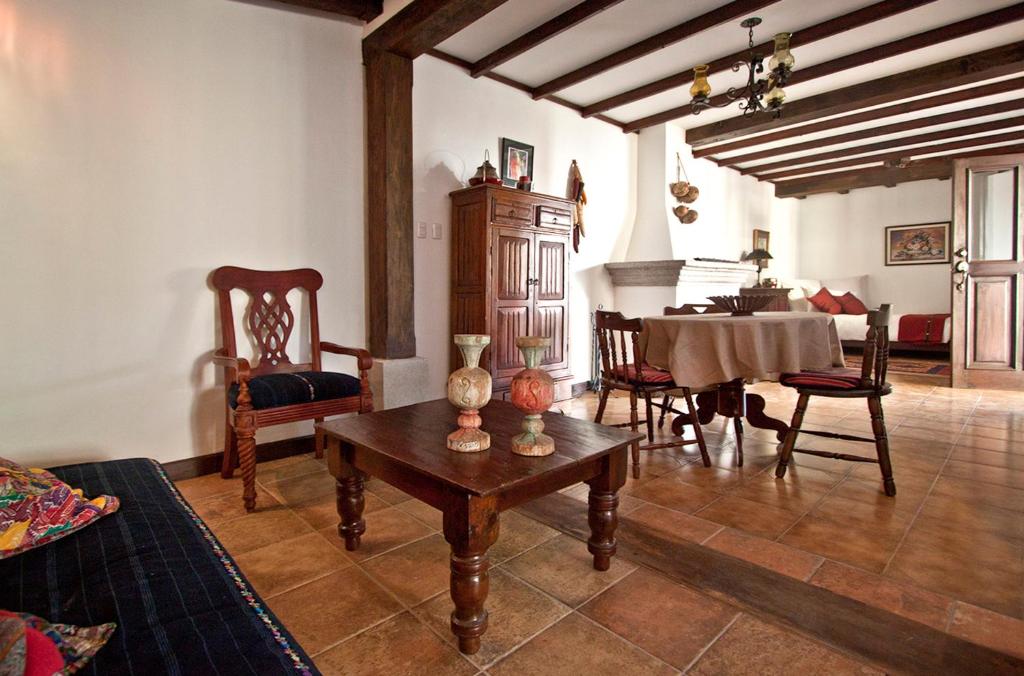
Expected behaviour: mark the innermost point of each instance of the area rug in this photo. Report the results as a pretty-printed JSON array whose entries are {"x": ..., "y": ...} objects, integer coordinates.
[{"x": 916, "y": 365}]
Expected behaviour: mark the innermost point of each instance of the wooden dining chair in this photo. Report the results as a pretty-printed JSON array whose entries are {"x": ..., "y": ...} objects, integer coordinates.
[
  {"x": 868, "y": 382},
  {"x": 623, "y": 367},
  {"x": 276, "y": 390}
]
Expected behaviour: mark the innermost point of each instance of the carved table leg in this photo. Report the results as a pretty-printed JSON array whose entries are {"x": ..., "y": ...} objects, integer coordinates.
[
  {"x": 706, "y": 410},
  {"x": 603, "y": 503},
  {"x": 758, "y": 418},
  {"x": 470, "y": 527},
  {"x": 349, "y": 491},
  {"x": 350, "y": 508}
]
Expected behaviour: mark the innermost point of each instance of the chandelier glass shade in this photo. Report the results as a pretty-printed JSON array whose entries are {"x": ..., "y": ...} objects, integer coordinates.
[{"x": 759, "y": 94}]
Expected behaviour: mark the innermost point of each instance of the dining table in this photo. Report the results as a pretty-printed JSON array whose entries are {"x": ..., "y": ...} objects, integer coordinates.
[{"x": 717, "y": 354}]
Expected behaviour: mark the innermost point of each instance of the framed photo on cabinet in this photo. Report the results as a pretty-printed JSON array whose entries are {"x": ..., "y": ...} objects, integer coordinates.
[
  {"x": 516, "y": 161},
  {"x": 917, "y": 244}
]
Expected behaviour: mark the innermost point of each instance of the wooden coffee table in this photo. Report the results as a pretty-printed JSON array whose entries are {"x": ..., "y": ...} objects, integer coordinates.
[{"x": 405, "y": 447}]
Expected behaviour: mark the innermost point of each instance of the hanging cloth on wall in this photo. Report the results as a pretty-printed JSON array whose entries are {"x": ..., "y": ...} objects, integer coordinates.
[{"x": 576, "y": 194}]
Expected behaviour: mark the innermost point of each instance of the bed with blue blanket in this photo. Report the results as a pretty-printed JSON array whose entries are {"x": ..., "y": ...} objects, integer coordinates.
[{"x": 180, "y": 603}]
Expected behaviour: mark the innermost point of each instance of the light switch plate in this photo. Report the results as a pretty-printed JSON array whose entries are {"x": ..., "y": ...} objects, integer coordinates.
[
  {"x": 435, "y": 230},
  {"x": 421, "y": 230}
]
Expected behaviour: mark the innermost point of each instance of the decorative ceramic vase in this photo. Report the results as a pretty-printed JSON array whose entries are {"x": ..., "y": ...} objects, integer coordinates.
[
  {"x": 533, "y": 392},
  {"x": 469, "y": 390}
]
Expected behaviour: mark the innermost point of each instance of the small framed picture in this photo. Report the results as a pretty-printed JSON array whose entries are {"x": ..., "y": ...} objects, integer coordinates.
[
  {"x": 761, "y": 238},
  {"x": 516, "y": 161},
  {"x": 917, "y": 244}
]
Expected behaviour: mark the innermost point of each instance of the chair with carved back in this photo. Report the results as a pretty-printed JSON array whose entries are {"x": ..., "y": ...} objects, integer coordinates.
[
  {"x": 868, "y": 382},
  {"x": 276, "y": 390},
  {"x": 624, "y": 367}
]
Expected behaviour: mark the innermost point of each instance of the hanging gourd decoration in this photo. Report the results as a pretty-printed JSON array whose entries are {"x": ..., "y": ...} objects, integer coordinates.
[
  {"x": 684, "y": 192},
  {"x": 485, "y": 173}
]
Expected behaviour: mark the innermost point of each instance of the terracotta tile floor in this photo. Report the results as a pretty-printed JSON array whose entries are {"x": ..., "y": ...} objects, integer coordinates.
[{"x": 948, "y": 551}]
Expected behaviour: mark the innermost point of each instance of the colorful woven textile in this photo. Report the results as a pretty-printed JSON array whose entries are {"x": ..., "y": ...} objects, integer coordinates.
[
  {"x": 181, "y": 604},
  {"x": 30, "y": 645},
  {"x": 36, "y": 507}
]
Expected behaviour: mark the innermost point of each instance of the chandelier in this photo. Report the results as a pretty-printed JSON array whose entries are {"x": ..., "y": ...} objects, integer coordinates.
[{"x": 759, "y": 94}]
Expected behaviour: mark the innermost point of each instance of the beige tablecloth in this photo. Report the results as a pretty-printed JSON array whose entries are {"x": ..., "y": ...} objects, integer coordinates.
[{"x": 702, "y": 350}]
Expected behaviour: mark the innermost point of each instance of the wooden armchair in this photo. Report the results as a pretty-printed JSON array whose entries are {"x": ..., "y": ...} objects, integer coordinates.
[{"x": 275, "y": 390}]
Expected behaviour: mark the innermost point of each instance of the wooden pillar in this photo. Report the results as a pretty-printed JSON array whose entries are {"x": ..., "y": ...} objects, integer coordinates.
[{"x": 389, "y": 204}]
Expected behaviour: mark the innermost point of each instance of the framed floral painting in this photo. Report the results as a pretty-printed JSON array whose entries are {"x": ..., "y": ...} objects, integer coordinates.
[{"x": 917, "y": 244}]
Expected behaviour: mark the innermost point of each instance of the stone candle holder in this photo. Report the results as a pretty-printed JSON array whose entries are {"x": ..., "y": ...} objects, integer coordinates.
[
  {"x": 533, "y": 392},
  {"x": 469, "y": 390}
]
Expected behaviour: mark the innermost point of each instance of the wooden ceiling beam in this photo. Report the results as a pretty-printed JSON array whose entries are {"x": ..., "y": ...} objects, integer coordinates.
[
  {"x": 804, "y": 36},
  {"x": 894, "y": 128},
  {"x": 727, "y": 12},
  {"x": 423, "y": 24},
  {"x": 367, "y": 10},
  {"x": 863, "y": 178},
  {"x": 515, "y": 84},
  {"x": 968, "y": 94},
  {"x": 927, "y": 137},
  {"x": 843, "y": 182},
  {"x": 902, "y": 154},
  {"x": 541, "y": 33},
  {"x": 955, "y": 72}
]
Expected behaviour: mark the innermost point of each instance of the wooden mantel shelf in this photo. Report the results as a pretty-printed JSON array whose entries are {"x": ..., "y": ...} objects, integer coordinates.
[{"x": 676, "y": 272}]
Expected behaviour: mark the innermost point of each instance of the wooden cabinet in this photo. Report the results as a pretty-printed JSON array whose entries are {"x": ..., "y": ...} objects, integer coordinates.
[
  {"x": 780, "y": 298},
  {"x": 510, "y": 278}
]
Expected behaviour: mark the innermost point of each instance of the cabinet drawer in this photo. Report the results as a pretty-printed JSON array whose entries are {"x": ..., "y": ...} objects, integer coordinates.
[
  {"x": 552, "y": 217},
  {"x": 511, "y": 212}
]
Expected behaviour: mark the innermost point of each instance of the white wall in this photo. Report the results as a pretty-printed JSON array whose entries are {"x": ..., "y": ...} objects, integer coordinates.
[
  {"x": 142, "y": 144},
  {"x": 730, "y": 207},
  {"x": 844, "y": 235},
  {"x": 455, "y": 119}
]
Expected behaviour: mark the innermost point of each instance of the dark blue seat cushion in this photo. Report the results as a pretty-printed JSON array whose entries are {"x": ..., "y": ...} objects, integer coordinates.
[
  {"x": 180, "y": 603},
  {"x": 303, "y": 387}
]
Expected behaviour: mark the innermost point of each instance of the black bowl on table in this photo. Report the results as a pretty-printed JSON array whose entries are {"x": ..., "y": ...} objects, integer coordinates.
[{"x": 741, "y": 306}]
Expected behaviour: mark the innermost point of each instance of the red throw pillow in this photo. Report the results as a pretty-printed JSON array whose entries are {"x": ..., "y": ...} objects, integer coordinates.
[
  {"x": 826, "y": 302},
  {"x": 852, "y": 305}
]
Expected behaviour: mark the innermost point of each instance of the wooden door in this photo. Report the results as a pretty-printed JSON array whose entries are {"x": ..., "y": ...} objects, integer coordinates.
[
  {"x": 551, "y": 316},
  {"x": 512, "y": 253},
  {"x": 988, "y": 272}
]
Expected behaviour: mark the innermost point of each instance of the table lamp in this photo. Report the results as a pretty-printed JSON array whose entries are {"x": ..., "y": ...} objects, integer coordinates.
[{"x": 760, "y": 256}]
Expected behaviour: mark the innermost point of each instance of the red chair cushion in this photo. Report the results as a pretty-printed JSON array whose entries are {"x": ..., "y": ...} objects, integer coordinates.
[
  {"x": 852, "y": 305},
  {"x": 648, "y": 375},
  {"x": 824, "y": 301},
  {"x": 825, "y": 379}
]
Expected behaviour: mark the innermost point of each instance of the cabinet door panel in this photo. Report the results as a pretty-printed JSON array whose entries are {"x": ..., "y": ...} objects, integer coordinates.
[
  {"x": 550, "y": 321},
  {"x": 550, "y": 268},
  {"x": 551, "y": 314},
  {"x": 510, "y": 323},
  {"x": 512, "y": 250}
]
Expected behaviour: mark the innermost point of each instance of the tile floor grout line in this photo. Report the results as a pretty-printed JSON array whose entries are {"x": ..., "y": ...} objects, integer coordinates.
[
  {"x": 713, "y": 641},
  {"x": 408, "y": 608},
  {"x": 817, "y": 566},
  {"x": 829, "y": 492},
  {"x": 623, "y": 638},
  {"x": 569, "y": 609},
  {"x": 928, "y": 493},
  {"x": 362, "y": 631}
]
